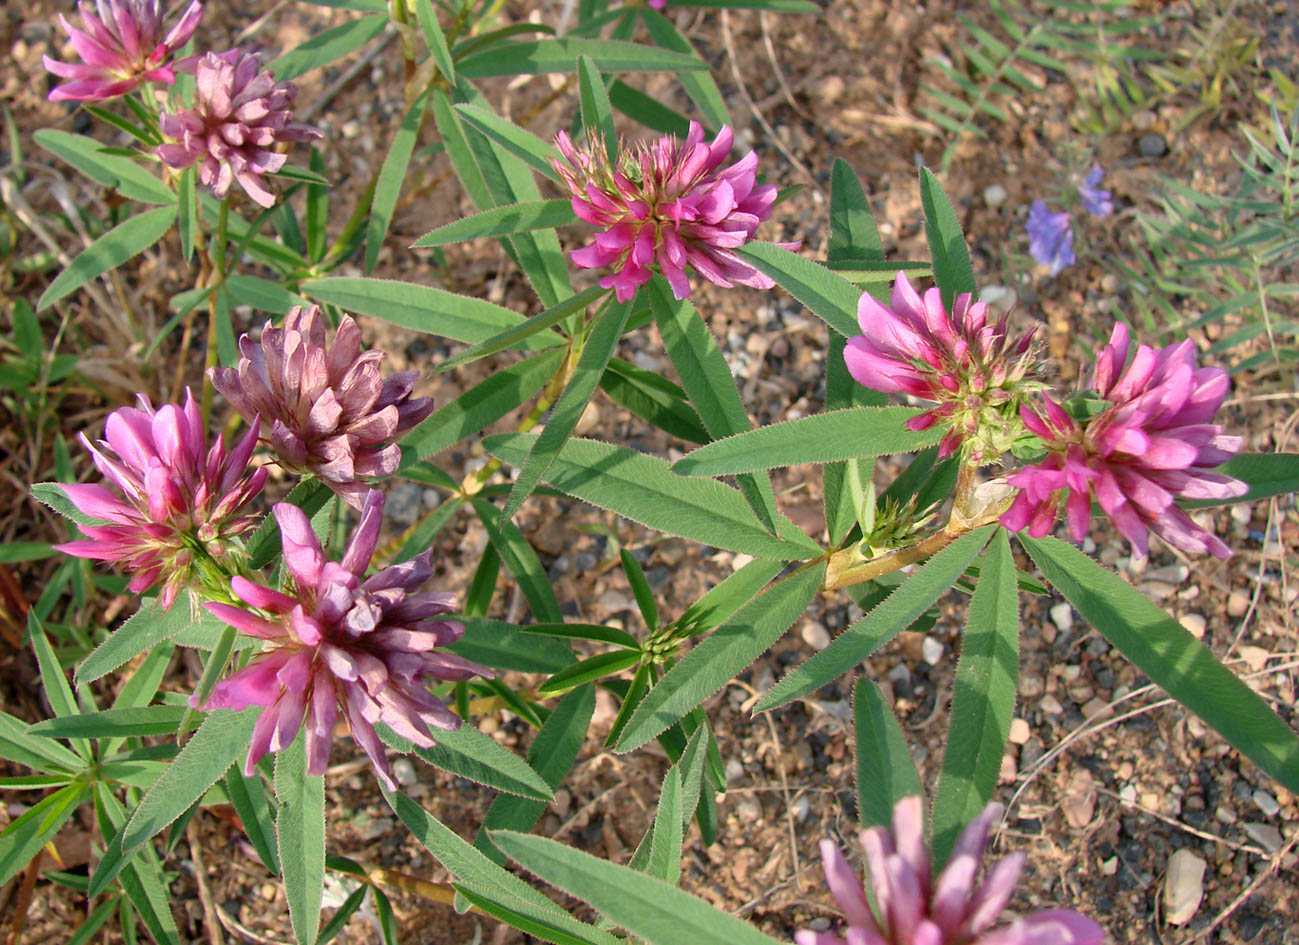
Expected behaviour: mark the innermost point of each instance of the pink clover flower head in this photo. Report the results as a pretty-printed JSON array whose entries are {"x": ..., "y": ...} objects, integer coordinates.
[
  {"x": 1152, "y": 444},
  {"x": 671, "y": 203},
  {"x": 952, "y": 909},
  {"x": 240, "y": 115},
  {"x": 973, "y": 367},
  {"x": 121, "y": 45},
  {"x": 175, "y": 502},
  {"x": 324, "y": 406},
  {"x": 340, "y": 643}
]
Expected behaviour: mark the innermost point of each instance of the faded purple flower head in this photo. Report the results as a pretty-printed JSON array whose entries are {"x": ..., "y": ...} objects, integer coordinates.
[
  {"x": 341, "y": 642},
  {"x": 911, "y": 908},
  {"x": 240, "y": 114},
  {"x": 324, "y": 406},
  {"x": 669, "y": 202},
  {"x": 1151, "y": 445},
  {"x": 177, "y": 503},
  {"x": 121, "y": 46},
  {"x": 974, "y": 368},
  {"x": 1097, "y": 202},
  {"x": 1050, "y": 237}
]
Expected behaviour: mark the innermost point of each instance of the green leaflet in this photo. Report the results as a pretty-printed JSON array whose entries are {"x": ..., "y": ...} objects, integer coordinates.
[
  {"x": 984, "y": 700},
  {"x": 122, "y": 242},
  {"x": 1170, "y": 656},
  {"x": 722, "y": 654},
  {"x": 854, "y": 433},
  {"x": 828, "y": 296},
  {"x": 328, "y": 46},
  {"x": 502, "y": 221},
  {"x": 300, "y": 837},
  {"x": 423, "y": 308},
  {"x": 643, "y": 489},
  {"x": 952, "y": 269},
  {"x": 391, "y": 176},
  {"x": 644, "y": 905},
  {"x": 895, "y": 613},
  {"x": 885, "y": 771}
]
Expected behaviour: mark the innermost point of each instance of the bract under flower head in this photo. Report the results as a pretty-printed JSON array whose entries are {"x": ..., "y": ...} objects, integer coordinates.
[
  {"x": 339, "y": 642},
  {"x": 240, "y": 114},
  {"x": 121, "y": 46},
  {"x": 177, "y": 503},
  {"x": 1152, "y": 444},
  {"x": 1050, "y": 237},
  {"x": 911, "y": 908},
  {"x": 669, "y": 203},
  {"x": 975, "y": 370},
  {"x": 324, "y": 405}
]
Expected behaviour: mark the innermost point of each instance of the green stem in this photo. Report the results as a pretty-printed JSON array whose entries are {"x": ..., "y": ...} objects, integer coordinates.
[{"x": 216, "y": 278}]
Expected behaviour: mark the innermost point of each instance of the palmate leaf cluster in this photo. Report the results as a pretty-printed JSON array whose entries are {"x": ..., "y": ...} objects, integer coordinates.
[
  {"x": 148, "y": 764},
  {"x": 1231, "y": 255}
]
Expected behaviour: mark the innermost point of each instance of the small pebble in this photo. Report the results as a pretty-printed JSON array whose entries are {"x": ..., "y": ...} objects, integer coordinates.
[
  {"x": 1051, "y": 705},
  {"x": 816, "y": 635},
  {"x": 1266, "y": 803},
  {"x": 1183, "y": 887},
  {"x": 931, "y": 651},
  {"x": 1237, "y": 604},
  {"x": 1007, "y": 774},
  {"x": 1193, "y": 624},
  {"x": 403, "y": 772},
  {"x": 1151, "y": 144},
  {"x": 749, "y": 811},
  {"x": 802, "y": 809},
  {"x": 268, "y": 891},
  {"x": 1019, "y": 732},
  {"x": 1062, "y": 616},
  {"x": 1224, "y": 815},
  {"x": 734, "y": 770},
  {"x": 1000, "y": 297},
  {"x": 1265, "y": 835},
  {"x": 994, "y": 195},
  {"x": 1143, "y": 120}
]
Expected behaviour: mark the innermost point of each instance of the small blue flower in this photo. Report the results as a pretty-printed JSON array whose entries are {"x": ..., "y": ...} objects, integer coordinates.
[
  {"x": 1050, "y": 237},
  {"x": 1097, "y": 202}
]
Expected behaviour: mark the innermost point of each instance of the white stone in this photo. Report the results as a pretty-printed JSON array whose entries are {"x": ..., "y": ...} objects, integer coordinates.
[
  {"x": 1265, "y": 835},
  {"x": 403, "y": 772},
  {"x": 1194, "y": 624},
  {"x": 931, "y": 651},
  {"x": 816, "y": 635},
  {"x": 1183, "y": 887},
  {"x": 994, "y": 195},
  {"x": 1237, "y": 604},
  {"x": 734, "y": 770},
  {"x": 1266, "y": 803},
  {"x": 1062, "y": 616},
  {"x": 1000, "y": 297},
  {"x": 1051, "y": 705},
  {"x": 1019, "y": 732}
]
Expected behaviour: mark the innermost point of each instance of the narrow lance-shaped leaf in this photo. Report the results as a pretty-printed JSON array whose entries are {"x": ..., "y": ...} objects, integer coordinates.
[
  {"x": 842, "y": 391},
  {"x": 481, "y": 405},
  {"x": 646, "y": 906},
  {"x": 542, "y": 56},
  {"x": 502, "y": 221},
  {"x": 512, "y": 337},
  {"x": 568, "y": 409},
  {"x": 423, "y": 308},
  {"x": 472, "y": 867},
  {"x": 391, "y": 176},
  {"x": 551, "y": 754},
  {"x": 327, "y": 47},
  {"x": 885, "y": 771},
  {"x": 478, "y": 757},
  {"x": 112, "y": 170},
  {"x": 122, "y": 242},
  {"x": 1163, "y": 650},
  {"x": 523, "y": 144},
  {"x": 952, "y": 269},
  {"x": 300, "y": 837},
  {"x": 223, "y": 736},
  {"x": 643, "y": 489},
  {"x": 707, "y": 379},
  {"x": 700, "y": 86},
  {"x": 522, "y": 560},
  {"x": 436, "y": 39},
  {"x": 722, "y": 654},
  {"x": 597, "y": 114},
  {"x": 829, "y": 297},
  {"x": 897, "y": 611},
  {"x": 984, "y": 699},
  {"x": 854, "y": 433},
  {"x": 853, "y": 234}
]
